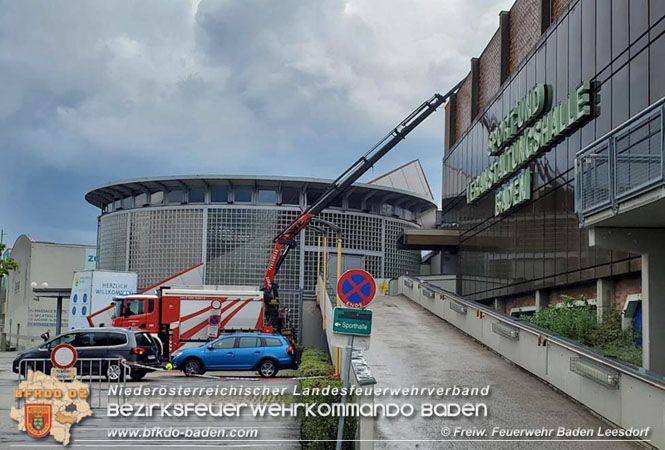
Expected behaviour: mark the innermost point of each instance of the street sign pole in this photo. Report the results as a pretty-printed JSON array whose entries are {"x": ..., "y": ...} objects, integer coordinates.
[{"x": 340, "y": 424}]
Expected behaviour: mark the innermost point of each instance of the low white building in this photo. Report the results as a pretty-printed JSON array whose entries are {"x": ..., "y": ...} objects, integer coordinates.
[{"x": 40, "y": 264}]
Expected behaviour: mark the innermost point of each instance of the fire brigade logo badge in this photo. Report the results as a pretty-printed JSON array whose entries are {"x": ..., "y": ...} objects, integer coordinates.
[{"x": 37, "y": 419}]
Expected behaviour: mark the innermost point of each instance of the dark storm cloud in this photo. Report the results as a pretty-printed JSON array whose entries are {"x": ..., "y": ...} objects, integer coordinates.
[{"x": 96, "y": 91}]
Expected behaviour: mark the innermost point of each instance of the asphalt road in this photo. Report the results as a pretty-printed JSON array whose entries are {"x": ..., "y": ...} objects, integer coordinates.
[
  {"x": 410, "y": 346},
  {"x": 92, "y": 432}
]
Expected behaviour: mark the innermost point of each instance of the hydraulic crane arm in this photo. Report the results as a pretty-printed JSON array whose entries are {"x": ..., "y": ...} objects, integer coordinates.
[{"x": 285, "y": 240}]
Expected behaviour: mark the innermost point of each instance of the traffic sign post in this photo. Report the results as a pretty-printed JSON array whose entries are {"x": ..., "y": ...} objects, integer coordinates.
[
  {"x": 63, "y": 358},
  {"x": 352, "y": 321},
  {"x": 356, "y": 288}
]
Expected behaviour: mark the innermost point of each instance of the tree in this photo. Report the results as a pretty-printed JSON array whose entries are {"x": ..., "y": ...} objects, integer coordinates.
[{"x": 6, "y": 265}]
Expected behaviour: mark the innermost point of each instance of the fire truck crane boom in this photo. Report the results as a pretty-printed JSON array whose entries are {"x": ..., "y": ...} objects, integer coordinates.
[{"x": 286, "y": 239}]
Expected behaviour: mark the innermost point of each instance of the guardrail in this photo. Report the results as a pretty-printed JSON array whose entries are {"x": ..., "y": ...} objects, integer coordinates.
[
  {"x": 622, "y": 164},
  {"x": 625, "y": 395}
]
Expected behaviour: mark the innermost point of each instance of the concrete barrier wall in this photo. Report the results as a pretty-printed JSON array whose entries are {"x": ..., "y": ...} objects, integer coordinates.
[
  {"x": 447, "y": 282},
  {"x": 638, "y": 399}
]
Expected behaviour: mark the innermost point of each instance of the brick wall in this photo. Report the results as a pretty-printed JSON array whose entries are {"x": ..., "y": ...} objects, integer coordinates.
[
  {"x": 588, "y": 290},
  {"x": 519, "y": 302},
  {"x": 489, "y": 71},
  {"x": 626, "y": 286},
  {"x": 559, "y": 7},
  {"x": 463, "y": 113},
  {"x": 524, "y": 30}
]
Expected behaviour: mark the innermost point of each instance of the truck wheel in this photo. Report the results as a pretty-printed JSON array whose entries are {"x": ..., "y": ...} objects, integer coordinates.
[
  {"x": 267, "y": 368},
  {"x": 193, "y": 367}
]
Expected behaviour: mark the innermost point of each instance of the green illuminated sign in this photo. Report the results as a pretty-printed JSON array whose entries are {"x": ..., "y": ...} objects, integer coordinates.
[
  {"x": 527, "y": 109},
  {"x": 517, "y": 142},
  {"x": 516, "y": 192}
]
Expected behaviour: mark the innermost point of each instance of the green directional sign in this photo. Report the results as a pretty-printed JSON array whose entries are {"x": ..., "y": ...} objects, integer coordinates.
[{"x": 352, "y": 321}]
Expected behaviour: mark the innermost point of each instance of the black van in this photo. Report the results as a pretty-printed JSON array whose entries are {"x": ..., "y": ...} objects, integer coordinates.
[{"x": 105, "y": 346}]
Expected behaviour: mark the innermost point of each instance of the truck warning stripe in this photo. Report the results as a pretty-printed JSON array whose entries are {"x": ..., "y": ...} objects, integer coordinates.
[
  {"x": 194, "y": 314},
  {"x": 233, "y": 313},
  {"x": 259, "y": 321},
  {"x": 192, "y": 331},
  {"x": 233, "y": 302}
]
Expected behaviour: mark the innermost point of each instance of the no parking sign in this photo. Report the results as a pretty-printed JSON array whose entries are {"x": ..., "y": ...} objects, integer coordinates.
[{"x": 356, "y": 288}]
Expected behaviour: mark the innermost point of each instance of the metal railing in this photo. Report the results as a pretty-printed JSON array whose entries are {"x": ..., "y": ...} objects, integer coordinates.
[
  {"x": 100, "y": 374},
  {"x": 622, "y": 164}
]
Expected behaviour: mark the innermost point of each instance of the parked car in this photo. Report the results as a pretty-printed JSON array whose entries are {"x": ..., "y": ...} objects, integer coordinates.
[
  {"x": 108, "y": 345},
  {"x": 265, "y": 353}
]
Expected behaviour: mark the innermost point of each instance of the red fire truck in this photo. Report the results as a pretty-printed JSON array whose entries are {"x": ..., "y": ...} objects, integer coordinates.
[{"x": 181, "y": 315}]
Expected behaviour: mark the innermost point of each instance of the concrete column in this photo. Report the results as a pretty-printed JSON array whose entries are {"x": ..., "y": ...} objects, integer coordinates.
[
  {"x": 58, "y": 316},
  {"x": 650, "y": 243},
  {"x": 653, "y": 311},
  {"x": 500, "y": 305},
  {"x": 604, "y": 297},
  {"x": 542, "y": 300}
]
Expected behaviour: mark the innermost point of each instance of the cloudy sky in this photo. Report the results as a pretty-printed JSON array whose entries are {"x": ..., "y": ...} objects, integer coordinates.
[{"x": 98, "y": 91}]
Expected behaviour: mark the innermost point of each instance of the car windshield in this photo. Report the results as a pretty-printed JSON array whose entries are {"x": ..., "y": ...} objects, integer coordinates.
[
  {"x": 117, "y": 310},
  {"x": 64, "y": 339}
]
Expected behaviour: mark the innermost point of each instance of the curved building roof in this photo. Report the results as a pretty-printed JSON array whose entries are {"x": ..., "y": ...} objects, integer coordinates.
[{"x": 108, "y": 193}]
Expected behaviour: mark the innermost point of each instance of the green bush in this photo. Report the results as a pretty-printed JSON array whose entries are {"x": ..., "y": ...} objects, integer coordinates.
[
  {"x": 578, "y": 322},
  {"x": 316, "y": 362}
]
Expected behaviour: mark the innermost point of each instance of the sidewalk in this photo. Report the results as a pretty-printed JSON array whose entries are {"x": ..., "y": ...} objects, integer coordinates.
[{"x": 411, "y": 347}]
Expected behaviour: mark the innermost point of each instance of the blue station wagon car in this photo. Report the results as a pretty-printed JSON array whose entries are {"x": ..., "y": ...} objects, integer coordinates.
[{"x": 265, "y": 353}]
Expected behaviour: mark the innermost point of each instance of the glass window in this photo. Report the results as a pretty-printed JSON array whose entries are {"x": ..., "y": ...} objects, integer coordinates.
[
  {"x": 355, "y": 201},
  {"x": 290, "y": 196},
  {"x": 66, "y": 339},
  {"x": 127, "y": 203},
  {"x": 225, "y": 343},
  {"x": 176, "y": 196},
  {"x": 89, "y": 339},
  {"x": 143, "y": 339},
  {"x": 248, "y": 342},
  {"x": 134, "y": 307},
  {"x": 272, "y": 342},
  {"x": 267, "y": 196},
  {"x": 197, "y": 195},
  {"x": 219, "y": 194},
  {"x": 117, "y": 205},
  {"x": 115, "y": 339},
  {"x": 603, "y": 33},
  {"x": 151, "y": 305},
  {"x": 337, "y": 202},
  {"x": 157, "y": 198},
  {"x": 141, "y": 200},
  {"x": 242, "y": 195},
  {"x": 313, "y": 195}
]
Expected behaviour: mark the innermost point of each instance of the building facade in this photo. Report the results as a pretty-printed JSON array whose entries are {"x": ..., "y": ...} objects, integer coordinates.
[
  {"x": 160, "y": 226},
  {"x": 553, "y": 179},
  {"x": 40, "y": 265}
]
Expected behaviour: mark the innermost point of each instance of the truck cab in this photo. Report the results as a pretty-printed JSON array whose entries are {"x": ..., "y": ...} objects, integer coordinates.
[{"x": 137, "y": 311}]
